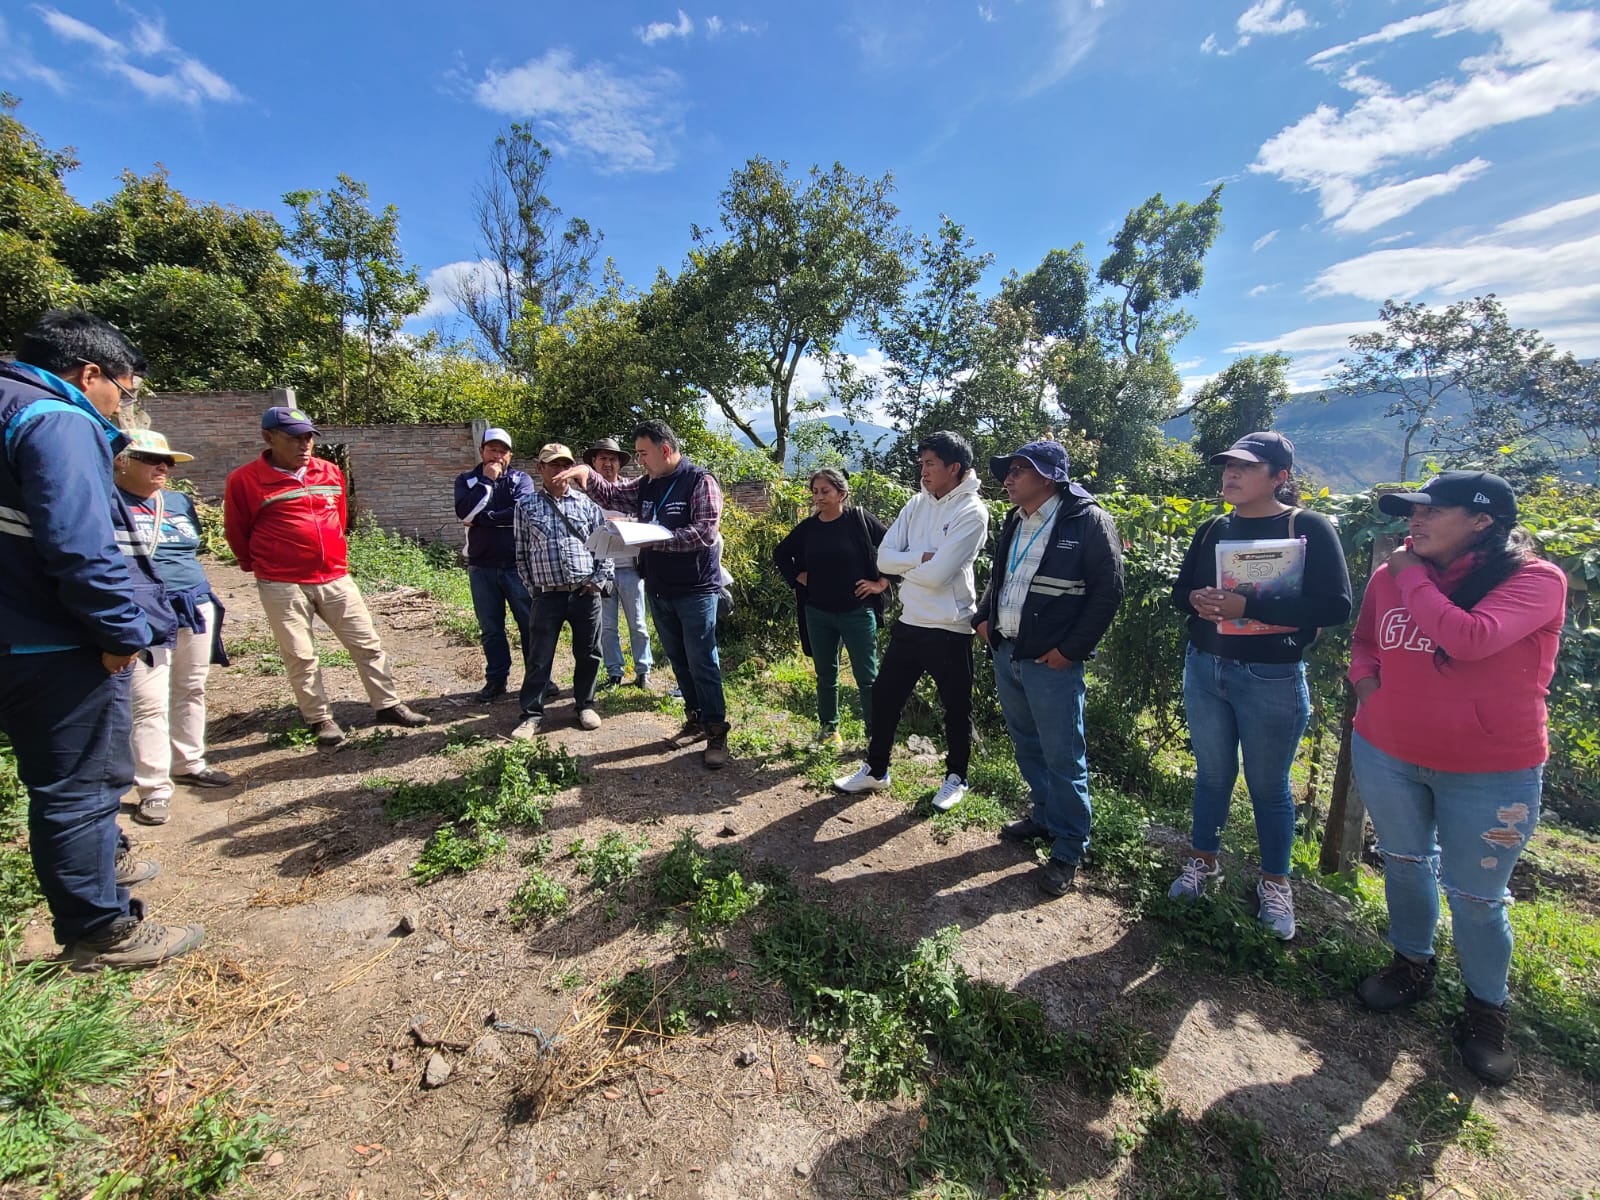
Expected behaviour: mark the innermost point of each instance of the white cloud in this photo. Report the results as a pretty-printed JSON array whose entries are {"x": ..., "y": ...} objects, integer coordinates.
[
  {"x": 660, "y": 31},
  {"x": 1555, "y": 214},
  {"x": 625, "y": 123},
  {"x": 1540, "y": 60},
  {"x": 178, "y": 76},
  {"x": 1455, "y": 272},
  {"x": 1265, "y": 240},
  {"x": 1383, "y": 204},
  {"x": 444, "y": 285},
  {"x": 986, "y": 12},
  {"x": 717, "y": 27},
  {"x": 1261, "y": 289},
  {"x": 1078, "y": 24},
  {"x": 1310, "y": 337},
  {"x": 1265, "y": 18},
  {"x": 18, "y": 60},
  {"x": 1393, "y": 238},
  {"x": 1211, "y": 46}
]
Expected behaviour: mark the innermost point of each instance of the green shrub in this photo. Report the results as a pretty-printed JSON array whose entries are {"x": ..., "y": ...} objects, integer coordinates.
[
  {"x": 614, "y": 858},
  {"x": 538, "y": 899}
]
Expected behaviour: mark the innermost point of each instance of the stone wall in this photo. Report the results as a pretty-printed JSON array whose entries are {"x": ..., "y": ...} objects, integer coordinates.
[{"x": 402, "y": 475}]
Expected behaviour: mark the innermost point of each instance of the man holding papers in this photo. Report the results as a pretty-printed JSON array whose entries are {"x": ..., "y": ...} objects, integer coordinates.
[
  {"x": 566, "y": 581},
  {"x": 682, "y": 573}
]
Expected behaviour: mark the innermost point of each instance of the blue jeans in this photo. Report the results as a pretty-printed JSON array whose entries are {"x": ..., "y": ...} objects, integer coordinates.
[
  {"x": 492, "y": 589},
  {"x": 1261, "y": 710},
  {"x": 629, "y": 596},
  {"x": 1461, "y": 830},
  {"x": 1043, "y": 708},
  {"x": 71, "y": 725},
  {"x": 687, "y": 627}
]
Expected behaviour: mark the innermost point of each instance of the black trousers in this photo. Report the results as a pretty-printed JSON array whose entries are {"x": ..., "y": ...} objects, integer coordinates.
[
  {"x": 947, "y": 657},
  {"x": 580, "y": 610}
]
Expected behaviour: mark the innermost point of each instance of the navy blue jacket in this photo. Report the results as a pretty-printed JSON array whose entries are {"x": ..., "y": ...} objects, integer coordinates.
[
  {"x": 72, "y": 570},
  {"x": 491, "y": 541}
]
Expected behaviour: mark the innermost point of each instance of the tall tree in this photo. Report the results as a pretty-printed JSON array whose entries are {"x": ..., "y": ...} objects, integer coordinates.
[
  {"x": 34, "y": 203},
  {"x": 1244, "y": 398},
  {"x": 804, "y": 260},
  {"x": 535, "y": 265},
  {"x": 357, "y": 276},
  {"x": 1423, "y": 357}
]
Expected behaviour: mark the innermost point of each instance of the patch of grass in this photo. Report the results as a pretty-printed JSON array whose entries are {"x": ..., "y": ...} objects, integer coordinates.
[
  {"x": 459, "y": 739},
  {"x": 381, "y": 560},
  {"x": 212, "y": 1149},
  {"x": 456, "y": 850},
  {"x": 614, "y": 857},
  {"x": 538, "y": 899},
  {"x": 19, "y": 888},
  {"x": 372, "y": 742},
  {"x": 1442, "y": 1118},
  {"x": 268, "y": 662},
  {"x": 248, "y": 647},
  {"x": 336, "y": 656},
  {"x": 292, "y": 737},
  {"x": 707, "y": 883}
]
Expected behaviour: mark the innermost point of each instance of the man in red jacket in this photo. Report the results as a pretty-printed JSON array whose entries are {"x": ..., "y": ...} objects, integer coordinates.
[{"x": 284, "y": 515}]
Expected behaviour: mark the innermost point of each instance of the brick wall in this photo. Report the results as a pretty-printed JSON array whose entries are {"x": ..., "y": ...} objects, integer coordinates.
[{"x": 403, "y": 475}]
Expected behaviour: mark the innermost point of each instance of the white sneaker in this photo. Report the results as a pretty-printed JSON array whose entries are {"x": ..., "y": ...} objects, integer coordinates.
[
  {"x": 951, "y": 792},
  {"x": 1277, "y": 907},
  {"x": 529, "y": 729},
  {"x": 1191, "y": 885},
  {"x": 862, "y": 781},
  {"x": 588, "y": 719}
]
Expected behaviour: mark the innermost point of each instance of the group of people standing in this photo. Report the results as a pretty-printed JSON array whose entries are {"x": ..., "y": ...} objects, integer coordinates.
[{"x": 108, "y": 626}]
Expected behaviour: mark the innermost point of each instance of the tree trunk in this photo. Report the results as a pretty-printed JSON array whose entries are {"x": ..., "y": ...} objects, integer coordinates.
[{"x": 1342, "y": 837}]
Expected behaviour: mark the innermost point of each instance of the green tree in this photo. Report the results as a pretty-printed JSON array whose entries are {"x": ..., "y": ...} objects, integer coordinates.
[
  {"x": 356, "y": 277},
  {"x": 34, "y": 203},
  {"x": 1422, "y": 357},
  {"x": 534, "y": 265},
  {"x": 804, "y": 261},
  {"x": 1244, "y": 398}
]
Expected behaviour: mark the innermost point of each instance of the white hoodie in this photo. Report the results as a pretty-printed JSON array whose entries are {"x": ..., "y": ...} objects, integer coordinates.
[{"x": 939, "y": 593}]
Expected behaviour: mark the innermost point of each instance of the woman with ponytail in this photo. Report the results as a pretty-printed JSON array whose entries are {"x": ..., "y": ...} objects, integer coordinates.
[{"x": 1451, "y": 661}]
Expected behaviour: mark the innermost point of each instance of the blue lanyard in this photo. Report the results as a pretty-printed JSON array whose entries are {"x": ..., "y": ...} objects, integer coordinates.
[
  {"x": 655, "y": 511},
  {"x": 1017, "y": 558}
]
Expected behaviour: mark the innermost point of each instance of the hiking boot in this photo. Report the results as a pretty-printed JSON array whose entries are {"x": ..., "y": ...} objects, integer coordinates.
[
  {"x": 205, "y": 777},
  {"x": 951, "y": 792},
  {"x": 132, "y": 944},
  {"x": 153, "y": 810},
  {"x": 1055, "y": 877},
  {"x": 133, "y": 871},
  {"x": 716, "y": 752},
  {"x": 328, "y": 732},
  {"x": 588, "y": 719},
  {"x": 1399, "y": 985},
  {"x": 642, "y": 679},
  {"x": 1480, "y": 1035},
  {"x": 399, "y": 714},
  {"x": 1191, "y": 884},
  {"x": 693, "y": 731},
  {"x": 530, "y": 728},
  {"x": 862, "y": 781},
  {"x": 1023, "y": 831},
  {"x": 1277, "y": 907},
  {"x": 490, "y": 691}
]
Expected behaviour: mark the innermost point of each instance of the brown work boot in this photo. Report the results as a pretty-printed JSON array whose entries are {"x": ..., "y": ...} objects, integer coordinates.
[
  {"x": 716, "y": 752},
  {"x": 693, "y": 731},
  {"x": 133, "y": 871},
  {"x": 399, "y": 714},
  {"x": 328, "y": 732},
  {"x": 131, "y": 943}
]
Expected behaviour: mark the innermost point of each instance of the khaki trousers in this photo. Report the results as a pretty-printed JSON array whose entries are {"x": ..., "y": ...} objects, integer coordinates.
[
  {"x": 290, "y": 608},
  {"x": 169, "y": 709}
]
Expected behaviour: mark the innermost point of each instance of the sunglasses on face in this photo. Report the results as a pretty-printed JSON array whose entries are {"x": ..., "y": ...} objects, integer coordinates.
[{"x": 152, "y": 460}]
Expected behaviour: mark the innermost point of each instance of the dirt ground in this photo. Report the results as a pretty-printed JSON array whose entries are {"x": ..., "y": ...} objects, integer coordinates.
[{"x": 302, "y": 882}]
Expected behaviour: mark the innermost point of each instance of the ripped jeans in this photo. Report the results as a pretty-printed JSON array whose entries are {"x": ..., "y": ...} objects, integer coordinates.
[{"x": 1462, "y": 831}]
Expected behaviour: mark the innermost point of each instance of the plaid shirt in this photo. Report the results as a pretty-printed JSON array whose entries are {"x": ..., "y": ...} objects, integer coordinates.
[
  {"x": 705, "y": 511},
  {"x": 548, "y": 555}
]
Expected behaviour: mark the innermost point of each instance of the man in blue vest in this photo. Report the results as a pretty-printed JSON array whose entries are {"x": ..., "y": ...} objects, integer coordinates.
[
  {"x": 79, "y": 601},
  {"x": 486, "y": 498},
  {"x": 682, "y": 575}
]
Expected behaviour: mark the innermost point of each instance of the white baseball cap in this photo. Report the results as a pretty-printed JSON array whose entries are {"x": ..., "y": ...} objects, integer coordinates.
[{"x": 496, "y": 435}]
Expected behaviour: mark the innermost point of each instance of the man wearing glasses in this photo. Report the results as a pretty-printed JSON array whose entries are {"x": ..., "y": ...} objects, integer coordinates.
[
  {"x": 78, "y": 604},
  {"x": 285, "y": 517}
]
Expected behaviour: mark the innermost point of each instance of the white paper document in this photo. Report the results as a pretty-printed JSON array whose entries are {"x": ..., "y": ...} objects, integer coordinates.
[{"x": 624, "y": 539}]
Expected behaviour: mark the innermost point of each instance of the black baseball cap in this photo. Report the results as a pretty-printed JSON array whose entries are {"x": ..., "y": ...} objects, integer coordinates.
[
  {"x": 1267, "y": 447},
  {"x": 1480, "y": 491}
]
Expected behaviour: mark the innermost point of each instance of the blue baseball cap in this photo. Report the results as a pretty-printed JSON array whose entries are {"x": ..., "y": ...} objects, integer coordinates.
[
  {"x": 1047, "y": 458},
  {"x": 287, "y": 420}
]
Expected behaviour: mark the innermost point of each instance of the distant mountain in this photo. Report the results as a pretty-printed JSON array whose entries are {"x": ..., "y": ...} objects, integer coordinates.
[{"x": 876, "y": 437}]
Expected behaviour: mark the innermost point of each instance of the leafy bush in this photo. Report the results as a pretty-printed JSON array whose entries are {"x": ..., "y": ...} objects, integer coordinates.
[
  {"x": 538, "y": 899},
  {"x": 614, "y": 858}
]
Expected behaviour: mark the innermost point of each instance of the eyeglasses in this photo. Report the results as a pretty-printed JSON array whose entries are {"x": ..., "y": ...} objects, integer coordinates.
[
  {"x": 132, "y": 397},
  {"x": 152, "y": 460},
  {"x": 1019, "y": 468}
]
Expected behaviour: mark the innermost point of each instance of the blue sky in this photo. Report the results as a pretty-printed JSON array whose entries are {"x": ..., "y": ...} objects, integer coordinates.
[{"x": 1422, "y": 149}]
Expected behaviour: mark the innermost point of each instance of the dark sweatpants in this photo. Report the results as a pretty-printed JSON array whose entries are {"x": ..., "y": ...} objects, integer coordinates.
[
  {"x": 945, "y": 655},
  {"x": 70, "y": 724},
  {"x": 551, "y": 610}
]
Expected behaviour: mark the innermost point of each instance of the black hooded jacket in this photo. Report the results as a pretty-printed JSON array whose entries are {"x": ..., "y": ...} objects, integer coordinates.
[{"x": 1076, "y": 591}]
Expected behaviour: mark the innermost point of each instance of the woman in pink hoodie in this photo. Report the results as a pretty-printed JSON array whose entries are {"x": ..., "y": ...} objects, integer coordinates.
[{"x": 1451, "y": 661}]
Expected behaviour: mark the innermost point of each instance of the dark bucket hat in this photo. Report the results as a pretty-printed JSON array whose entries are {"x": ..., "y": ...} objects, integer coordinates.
[{"x": 1047, "y": 458}]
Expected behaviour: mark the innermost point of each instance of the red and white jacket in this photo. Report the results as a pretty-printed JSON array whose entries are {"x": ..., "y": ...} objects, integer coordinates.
[
  {"x": 287, "y": 530},
  {"x": 1484, "y": 709}
]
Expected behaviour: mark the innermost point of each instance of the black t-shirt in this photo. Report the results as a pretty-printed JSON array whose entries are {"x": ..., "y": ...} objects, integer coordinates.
[
  {"x": 833, "y": 556},
  {"x": 1324, "y": 599}
]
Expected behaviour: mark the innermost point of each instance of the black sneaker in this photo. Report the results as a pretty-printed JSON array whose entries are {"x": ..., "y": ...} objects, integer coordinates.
[
  {"x": 610, "y": 681},
  {"x": 1023, "y": 831},
  {"x": 1480, "y": 1035},
  {"x": 490, "y": 692},
  {"x": 642, "y": 679},
  {"x": 1055, "y": 877},
  {"x": 1399, "y": 985}
]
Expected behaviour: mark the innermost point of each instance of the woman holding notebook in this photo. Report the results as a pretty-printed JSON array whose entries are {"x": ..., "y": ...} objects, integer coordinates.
[{"x": 1257, "y": 584}]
